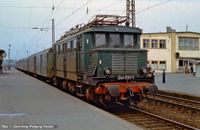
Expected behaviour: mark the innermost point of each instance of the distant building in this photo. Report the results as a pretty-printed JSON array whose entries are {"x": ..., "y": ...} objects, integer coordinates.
[{"x": 172, "y": 51}]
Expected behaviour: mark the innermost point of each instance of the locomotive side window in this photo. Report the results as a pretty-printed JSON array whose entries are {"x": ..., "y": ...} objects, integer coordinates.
[
  {"x": 71, "y": 45},
  {"x": 114, "y": 40},
  {"x": 58, "y": 49},
  {"x": 65, "y": 47},
  {"x": 68, "y": 46},
  {"x": 100, "y": 39},
  {"x": 128, "y": 40},
  {"x": 74, "y": 46}
]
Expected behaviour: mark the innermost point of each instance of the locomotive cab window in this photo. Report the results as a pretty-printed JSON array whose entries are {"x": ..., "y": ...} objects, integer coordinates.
[
  {"x": 128, "y": 40},
  {"x": 114, "y": 41},
  {"x": 100, "y": 40}
]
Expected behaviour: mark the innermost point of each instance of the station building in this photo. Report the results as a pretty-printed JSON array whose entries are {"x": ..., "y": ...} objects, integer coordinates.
[{"x": 171, "y": 51}]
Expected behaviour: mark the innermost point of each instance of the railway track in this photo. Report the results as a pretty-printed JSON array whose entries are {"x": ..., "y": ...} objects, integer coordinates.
[
  {"x": 186, "y": 103},
  {"x": 177, "y": 109},
  {"x": 149, "y": 120},
  {"x": 145, "y": 117}
]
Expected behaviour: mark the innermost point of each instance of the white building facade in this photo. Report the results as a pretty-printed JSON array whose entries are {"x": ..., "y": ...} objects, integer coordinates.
[{"x": 171, "y": 51}]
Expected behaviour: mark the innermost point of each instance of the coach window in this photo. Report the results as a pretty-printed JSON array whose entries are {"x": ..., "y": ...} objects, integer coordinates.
[
  {"x": 100, "y": 39},
  {"x": 128, "y": 40},
  {"x": 114, "y": 40}
]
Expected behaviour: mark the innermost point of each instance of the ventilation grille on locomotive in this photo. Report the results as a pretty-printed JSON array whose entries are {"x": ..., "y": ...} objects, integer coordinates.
[{"x": 124, "y": 63}]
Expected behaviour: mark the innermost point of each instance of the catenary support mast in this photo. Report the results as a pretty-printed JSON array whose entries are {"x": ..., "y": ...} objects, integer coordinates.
[{"x": 130, "y": 13}]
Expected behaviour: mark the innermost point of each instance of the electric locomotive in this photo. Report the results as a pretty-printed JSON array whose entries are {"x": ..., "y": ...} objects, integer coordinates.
[{"x": 102, "y": 61}]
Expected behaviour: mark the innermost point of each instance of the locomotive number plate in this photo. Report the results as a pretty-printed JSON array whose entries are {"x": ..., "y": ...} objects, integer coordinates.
[{"x": 125, "y": 77}]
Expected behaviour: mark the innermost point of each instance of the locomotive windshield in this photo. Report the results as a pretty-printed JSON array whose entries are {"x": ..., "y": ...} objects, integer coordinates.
[
  {"x": 100, "y": 40},
  {"x": 128, "y": 40},
  {"x": 116, "y": 40}
]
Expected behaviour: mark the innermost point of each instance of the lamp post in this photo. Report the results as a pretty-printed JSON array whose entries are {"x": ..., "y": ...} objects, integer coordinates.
[{"x": 9, "y": 67}]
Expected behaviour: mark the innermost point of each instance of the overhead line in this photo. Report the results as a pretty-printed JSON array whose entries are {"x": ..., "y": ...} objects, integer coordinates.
[
  {"x": 73, "y": 12},
  {"x": 28, "y": 7},
  {"x": 156, "y": 5}
]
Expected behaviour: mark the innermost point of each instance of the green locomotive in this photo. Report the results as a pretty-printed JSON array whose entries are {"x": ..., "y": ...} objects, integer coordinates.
[{"x": 99, "y": 56}]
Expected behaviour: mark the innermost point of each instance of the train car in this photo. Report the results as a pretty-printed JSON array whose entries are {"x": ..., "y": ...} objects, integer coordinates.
[
  {"x": 31, "y": 64},
  {"x": 43, "y": 64},
  {"x": 38, "y": 65},
  {"x": 102, "y": 61},
  {"x": 25, "y": 64}
]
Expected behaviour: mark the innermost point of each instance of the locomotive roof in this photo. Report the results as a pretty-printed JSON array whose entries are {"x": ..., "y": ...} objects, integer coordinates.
[
  {"x": 102, "y": 23},
  {"x": 101, "y": 28}
]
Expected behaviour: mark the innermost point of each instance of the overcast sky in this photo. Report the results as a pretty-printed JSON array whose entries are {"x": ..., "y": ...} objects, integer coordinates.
[{"x": 18, "y": 17}]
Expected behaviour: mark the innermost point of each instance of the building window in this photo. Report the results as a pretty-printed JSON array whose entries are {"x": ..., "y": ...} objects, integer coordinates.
[
  {"x": 154, "y": 43},
  {"x": 154, "y": 65},
  {"x": 188, "y": 44},
  {"x": 181, "y": 63},
  {"x": 146, "y": 43},
  {"x": 162, "y": 65},
  {"x": 162, "y": 44}
]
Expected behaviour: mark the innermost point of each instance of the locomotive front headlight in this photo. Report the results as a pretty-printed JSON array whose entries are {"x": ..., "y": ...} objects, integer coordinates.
[{"x": 107, "y": 71}]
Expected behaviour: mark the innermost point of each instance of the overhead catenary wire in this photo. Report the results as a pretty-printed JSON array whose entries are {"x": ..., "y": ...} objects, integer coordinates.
[
  {"x": 73, "y": 12},
  {"x": 153, "y": 6}
]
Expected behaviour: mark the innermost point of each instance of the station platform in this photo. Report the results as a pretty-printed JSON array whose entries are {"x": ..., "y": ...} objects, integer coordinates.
[
  {"x": 27, "y": 103},
  {"x": 179, "y": 83}
]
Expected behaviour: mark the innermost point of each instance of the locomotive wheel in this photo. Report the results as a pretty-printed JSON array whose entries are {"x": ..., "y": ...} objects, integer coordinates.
[
  {"x": 65, "y": 85},
  {"x": 72, "y": 88}
]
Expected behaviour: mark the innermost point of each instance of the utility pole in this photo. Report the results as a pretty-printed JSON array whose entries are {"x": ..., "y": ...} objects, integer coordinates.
[
  {"x": 53, "y": 32},
  {"x": 9, "y": 67},
  {"x": 130, "y": 13}
]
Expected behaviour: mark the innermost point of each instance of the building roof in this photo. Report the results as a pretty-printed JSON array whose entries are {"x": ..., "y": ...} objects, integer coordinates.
[{"x": 183, "y": 32}]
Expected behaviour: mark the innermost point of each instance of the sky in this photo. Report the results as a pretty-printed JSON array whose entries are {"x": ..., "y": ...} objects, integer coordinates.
[{"x": 26, "y": 24}]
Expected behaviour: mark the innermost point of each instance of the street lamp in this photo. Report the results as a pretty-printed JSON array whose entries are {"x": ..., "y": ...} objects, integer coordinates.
[{"x": 9, "y": 67}]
